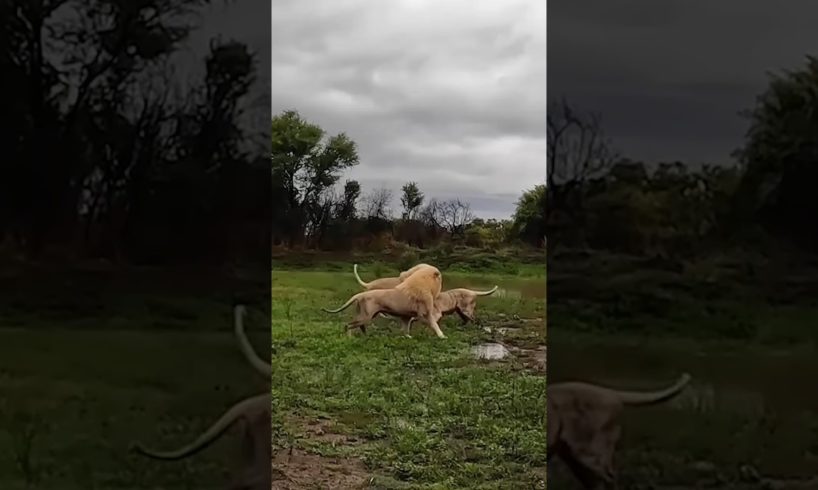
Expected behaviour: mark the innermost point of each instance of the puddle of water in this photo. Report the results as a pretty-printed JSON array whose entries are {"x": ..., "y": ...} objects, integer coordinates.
[
  {"x": 509, "y": 288},
  {"x": 508, "y": 293},
  {"x": 490, "y": 351},
  {"x": 707, "y": 397},
  {"x": 742, "y": 382}
]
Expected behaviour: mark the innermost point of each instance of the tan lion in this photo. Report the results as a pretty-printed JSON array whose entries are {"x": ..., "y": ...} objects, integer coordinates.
[
  {"x": 460, "y": 300},
  {"x": 252, "y": 413},
  {"x": 583, "y": 428},
  {"x": 386, "y": 282},
  {"x": 414, "y": 297}
]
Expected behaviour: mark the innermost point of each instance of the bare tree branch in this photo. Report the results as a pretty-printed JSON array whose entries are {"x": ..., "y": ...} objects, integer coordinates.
[
  {"x": 455, "y": 215},
  {"x": 377, "y": 203},
  {"x": 577, "y": 146}
]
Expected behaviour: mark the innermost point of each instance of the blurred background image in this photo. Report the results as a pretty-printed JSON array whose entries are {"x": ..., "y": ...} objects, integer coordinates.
[{"x": 680, "y": 217}]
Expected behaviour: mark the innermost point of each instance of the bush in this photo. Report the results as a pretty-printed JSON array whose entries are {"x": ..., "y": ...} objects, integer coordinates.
[{"x": 408, "y": 259}]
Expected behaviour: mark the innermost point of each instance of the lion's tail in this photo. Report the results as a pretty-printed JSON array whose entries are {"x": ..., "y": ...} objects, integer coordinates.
[
  {"x": 246, "y": 348},
  {"x": 486, "y": 293},
  {"x": 653, "y": 397},
  {"x": 343, "y": 306},
  {"x": 207, "y": 437},
  {"x": 357, "y": 277}
]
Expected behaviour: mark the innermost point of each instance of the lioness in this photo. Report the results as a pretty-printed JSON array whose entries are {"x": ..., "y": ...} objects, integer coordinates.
[
  {"x": 414, "y": 297},
  {"x": 461, "y": 301},
  {"x": 386, "y": 282},
  {"x": 583, "y": 429}
]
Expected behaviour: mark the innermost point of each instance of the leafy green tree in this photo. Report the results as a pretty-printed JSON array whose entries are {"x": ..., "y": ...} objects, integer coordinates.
[
  {"x": 346, "y": 208},
  {"x": 529, "y": 216},
  {"x": 411, "y": 199},
  {"x": 780, "y": 155},
  {"x": 306, "y": 162}
]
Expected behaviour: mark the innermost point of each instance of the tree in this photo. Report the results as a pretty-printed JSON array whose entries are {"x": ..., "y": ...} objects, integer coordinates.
[
  {"x": 377, "y": 204},
  {"x": 529, "y": 221},
  {"x": 192, "y": 192},
  {"x": 455, "y": 215},
  {"x": 306, "y": 162},
  {"x": 491, "y": 232},
  {"x": 75, "y": 107},
  {"x": 429, "y": 214},
  {"x": 780, "y": 155},
  {"x": 577, "y": 147},
  {"x": 411, "y": 199},
  {"x": 345, "y": 209},
  {"x": 577, "y": 150}
]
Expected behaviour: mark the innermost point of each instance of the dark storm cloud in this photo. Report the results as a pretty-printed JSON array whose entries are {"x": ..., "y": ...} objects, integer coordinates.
[
  {"x": 448, "y": 94},
  {"x": 670, "y": 77}
]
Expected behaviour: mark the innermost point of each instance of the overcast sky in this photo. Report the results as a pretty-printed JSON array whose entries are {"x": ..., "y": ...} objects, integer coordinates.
[
  {"x": 669, "y": 77},
  {"x": 450, "y": 94}
]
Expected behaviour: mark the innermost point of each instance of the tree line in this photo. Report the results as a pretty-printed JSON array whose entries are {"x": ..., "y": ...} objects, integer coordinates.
[
  {"x": 117, "y": 143},
  {"x": 600, "y": 199},
  {"x": 312, "y": 210}
]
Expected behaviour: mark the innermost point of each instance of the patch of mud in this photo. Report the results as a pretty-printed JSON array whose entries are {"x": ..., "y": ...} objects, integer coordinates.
[
  {"x": 516, "y": 328},
  {"x": 534, "y": 358},
  {"x": 323, "y": 430},
  {"x": 294, "y": 469}
]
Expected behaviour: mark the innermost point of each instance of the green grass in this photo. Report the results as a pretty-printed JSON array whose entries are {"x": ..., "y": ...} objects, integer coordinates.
[
  {"x": 73, "y": 401},
  {"x": 84, "y": 375},
  {"x": 422, "y": 411},
  {"x": 745, "y": 331},
  {"x": 747, "y": 406},
  {"x": 92, "y": 361}
]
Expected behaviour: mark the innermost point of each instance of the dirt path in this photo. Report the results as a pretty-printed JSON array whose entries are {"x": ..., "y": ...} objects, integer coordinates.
[{"x": 296, "y": 469}]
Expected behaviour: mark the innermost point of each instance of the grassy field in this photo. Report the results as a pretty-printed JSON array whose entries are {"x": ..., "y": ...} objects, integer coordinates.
[
  {"x": 385, "y": 411},
  {"x": 93, "y": 360},
  {"x": 746, "y": 332}
]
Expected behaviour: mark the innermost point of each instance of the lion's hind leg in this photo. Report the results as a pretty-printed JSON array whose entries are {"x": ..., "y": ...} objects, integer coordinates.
[{"x": 366, "y": 313}]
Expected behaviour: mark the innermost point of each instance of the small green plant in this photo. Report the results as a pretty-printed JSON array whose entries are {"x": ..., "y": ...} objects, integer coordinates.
[
  {"x": 288, "y": 308},
  {"x": 24, "y": 428}
]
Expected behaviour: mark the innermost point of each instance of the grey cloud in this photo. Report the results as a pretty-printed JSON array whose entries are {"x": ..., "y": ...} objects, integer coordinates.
[
  {"x": 450, "y": 95},
  {"x": 671, "y": 77}
]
